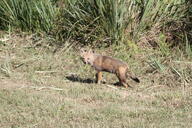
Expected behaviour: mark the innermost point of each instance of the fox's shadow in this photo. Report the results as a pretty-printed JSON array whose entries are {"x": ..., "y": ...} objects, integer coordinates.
[{"x": 75, "y": 78}]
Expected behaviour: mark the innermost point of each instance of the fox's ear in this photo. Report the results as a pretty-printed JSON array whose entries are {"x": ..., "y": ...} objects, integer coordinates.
[
  {"x": 82, "y": 50},
  {"x": 90, "y": 51}
]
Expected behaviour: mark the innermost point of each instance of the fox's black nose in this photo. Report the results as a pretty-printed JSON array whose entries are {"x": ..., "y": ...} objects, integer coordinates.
[{"x": 83, "y": 60}]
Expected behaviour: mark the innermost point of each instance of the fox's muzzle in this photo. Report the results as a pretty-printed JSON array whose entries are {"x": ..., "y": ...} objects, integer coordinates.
[{"x": 83, "y": 60}]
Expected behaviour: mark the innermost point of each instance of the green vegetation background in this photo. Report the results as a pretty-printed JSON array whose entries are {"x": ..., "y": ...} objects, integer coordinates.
[{"x": 103, "y": 22}]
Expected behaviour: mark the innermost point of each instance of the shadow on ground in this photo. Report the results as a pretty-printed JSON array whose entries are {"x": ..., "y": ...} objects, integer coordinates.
[{"x": 75, "y": 78}]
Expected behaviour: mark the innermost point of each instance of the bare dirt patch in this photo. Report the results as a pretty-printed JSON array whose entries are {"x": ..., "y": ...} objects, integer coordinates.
[{"x": 11, "y": 84}]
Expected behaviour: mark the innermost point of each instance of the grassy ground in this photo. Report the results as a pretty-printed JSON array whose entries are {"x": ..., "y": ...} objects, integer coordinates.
[{"x": 42, "y": 85}]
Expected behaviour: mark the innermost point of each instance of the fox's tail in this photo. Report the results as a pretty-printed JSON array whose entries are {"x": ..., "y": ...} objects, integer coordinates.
[
  {"x": 132, "y": 76},
  {"x": 135, "y": 79}
]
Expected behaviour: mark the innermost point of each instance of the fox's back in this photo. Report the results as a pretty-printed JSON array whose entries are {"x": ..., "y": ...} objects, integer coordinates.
[{"x": 108, "y": 64}]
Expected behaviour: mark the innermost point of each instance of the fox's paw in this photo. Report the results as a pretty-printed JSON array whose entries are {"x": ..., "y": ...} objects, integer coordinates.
[{"x": 98, "y": 82}]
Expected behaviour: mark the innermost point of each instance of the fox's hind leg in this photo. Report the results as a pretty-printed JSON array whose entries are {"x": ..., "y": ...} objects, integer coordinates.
[
  {"x": 122, "y": 80},
  {"x": 99, "y": 77},
  {"x": 121, "y": 74}
]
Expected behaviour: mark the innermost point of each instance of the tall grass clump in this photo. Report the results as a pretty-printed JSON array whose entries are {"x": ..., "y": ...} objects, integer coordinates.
[
  {"x": 27, "y": 14},
  {"x": 104, "y": 21},
  {"x": 93, "y": 20},
  {"x": 120, "y": 20},
  {"x": 152, "y": 18}
]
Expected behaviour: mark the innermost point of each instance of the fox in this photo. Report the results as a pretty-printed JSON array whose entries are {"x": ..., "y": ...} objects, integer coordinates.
[{"x": 103, "y": 63}]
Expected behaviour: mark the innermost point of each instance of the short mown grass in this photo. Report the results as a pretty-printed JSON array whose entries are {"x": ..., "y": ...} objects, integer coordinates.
[
  {"x": 94, "y": 107},
  {"x": 43, "y": 85}
]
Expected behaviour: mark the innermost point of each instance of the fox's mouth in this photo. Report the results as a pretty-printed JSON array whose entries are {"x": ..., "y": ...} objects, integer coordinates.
[{"x": 83, "y": 60}]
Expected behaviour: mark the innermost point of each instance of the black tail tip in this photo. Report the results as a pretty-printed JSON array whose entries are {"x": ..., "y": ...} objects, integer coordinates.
[{"x": 136, "y": 79}]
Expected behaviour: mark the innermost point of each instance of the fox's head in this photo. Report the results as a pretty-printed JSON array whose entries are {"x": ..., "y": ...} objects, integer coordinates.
[{"x": 87, "y": 56}]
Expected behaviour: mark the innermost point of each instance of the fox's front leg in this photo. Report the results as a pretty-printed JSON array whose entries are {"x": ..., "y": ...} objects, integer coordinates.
[{"x": 99, "y": 77}]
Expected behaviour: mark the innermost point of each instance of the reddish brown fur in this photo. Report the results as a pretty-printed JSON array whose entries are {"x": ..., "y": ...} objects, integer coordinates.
[{"x": 107, "y": 64}]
